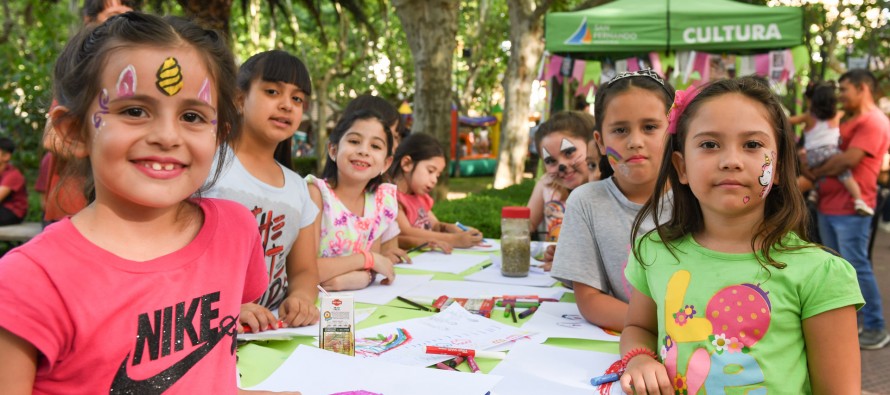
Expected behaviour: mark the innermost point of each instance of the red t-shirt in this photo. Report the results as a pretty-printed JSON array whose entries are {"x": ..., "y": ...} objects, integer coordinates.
[
  {"x": 417, "y": 209},
  {"x": 17, "y": 200},
  {"x": 869, "y": 132},
  {"x": 63, "y": 197}
]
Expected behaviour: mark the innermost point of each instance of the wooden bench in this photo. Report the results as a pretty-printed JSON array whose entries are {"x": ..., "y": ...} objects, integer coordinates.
[{"x": 21, "y": 232}]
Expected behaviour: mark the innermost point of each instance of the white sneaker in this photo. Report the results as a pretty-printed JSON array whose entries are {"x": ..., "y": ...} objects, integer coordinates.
[
  {"x": 862, "y": 208},
  {"x": 884, "y": 226}
]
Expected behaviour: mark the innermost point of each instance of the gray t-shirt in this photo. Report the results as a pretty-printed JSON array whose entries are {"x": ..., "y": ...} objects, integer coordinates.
[
  {"x": 595, "y": 240},
  {"x": 281, "y": 212}
]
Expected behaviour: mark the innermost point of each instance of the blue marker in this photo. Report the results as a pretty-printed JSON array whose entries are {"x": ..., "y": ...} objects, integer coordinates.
[
  {"x": 606, "y": 378},
  {"x": 461, "y": 226}
]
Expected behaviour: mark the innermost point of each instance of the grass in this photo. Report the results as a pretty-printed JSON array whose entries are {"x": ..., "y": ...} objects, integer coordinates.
[{"x": 481, "y": 208}]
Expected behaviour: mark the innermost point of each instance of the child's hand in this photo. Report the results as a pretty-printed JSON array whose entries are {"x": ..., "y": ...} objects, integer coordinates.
[
  {"x": 441, "y": 245},
  {"x": 397, "y": 255},
  {"x": 356, "y": 279},
  {"x": 295, "y": 311},
  {"x": 645, "y": 375},
  {"x": 467, "y": 239},
  {"x": 384, "y": 267},
  {"x": 549, "y": 252},
  {"x": 257, "y": 317}
]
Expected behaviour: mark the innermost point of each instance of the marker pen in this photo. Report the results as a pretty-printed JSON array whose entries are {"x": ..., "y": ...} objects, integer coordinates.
[
  {"x": 530, "y": 311},
  {"x": 606, "y": 378},
  {"x": 473, "y": 366},
  {"x": 463, "y": 352},
  {"x": 443, "y": 366},
  {"x": 461, "y": 226}
]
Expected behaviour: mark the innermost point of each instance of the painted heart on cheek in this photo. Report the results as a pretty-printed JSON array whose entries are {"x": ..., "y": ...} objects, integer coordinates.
[{"x": 746, "y": 199}]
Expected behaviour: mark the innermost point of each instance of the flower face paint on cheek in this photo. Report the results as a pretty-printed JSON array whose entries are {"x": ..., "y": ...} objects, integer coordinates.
[
  {"x": 103, "y": 109},
  {"x": 170, "y": 77},
  {"x": 766, "y": 178}
]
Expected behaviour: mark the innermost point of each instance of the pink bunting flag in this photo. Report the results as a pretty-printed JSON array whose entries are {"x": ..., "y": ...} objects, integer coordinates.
[
  {"x": 633, "y": 64},
  {"x": 552, "y": 69},
  {"x": 761, "y": 64},
  {"x": 655, "y": 60},
  {"x": 702, "y": 64},
  {"x": 578, "y": 71}
]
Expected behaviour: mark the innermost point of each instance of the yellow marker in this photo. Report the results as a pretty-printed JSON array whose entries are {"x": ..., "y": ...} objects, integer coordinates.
[{"x": 170, "y": 77}]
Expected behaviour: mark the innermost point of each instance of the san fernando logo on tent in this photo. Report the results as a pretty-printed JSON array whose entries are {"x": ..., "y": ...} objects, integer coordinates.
[{"x": 581, "y": 36}]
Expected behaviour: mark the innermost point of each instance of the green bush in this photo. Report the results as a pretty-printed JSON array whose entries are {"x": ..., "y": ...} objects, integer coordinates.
[
  {"x": 483, "y": 210},
  {"x": 305, "y": 165}
]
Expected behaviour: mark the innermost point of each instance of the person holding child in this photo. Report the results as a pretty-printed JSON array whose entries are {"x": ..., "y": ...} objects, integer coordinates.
[
  {"x": 272, "y": 90},
  {"x": 357, "y": 206},
  {"x": 418, "y": 163},
  {"x": 730, "y": 295},
  {"x": 140, "y": 291},
  {"x": 13, "y": 189},
  {"x": 631, "y": 118},
  {"x": 865, "y": 138}
]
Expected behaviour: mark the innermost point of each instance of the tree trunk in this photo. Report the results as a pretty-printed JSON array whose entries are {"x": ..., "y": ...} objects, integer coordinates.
[
  {"x": 213, "y": 14},
  {"x": 431, "y": 29},
  {"x": 526, "y": 48}
]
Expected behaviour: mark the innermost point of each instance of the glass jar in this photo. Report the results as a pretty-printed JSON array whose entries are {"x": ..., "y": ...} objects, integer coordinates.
[{"x": 515, "y": 241}]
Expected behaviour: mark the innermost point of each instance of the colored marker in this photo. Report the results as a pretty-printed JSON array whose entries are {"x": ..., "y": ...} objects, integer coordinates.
[
  {"x": 418, "y": 248},
  {"x": 473, "y": 366},
  {"x": 528, "y": 312},
  {"x": 485, "y": 266},
  {"x": 513, "y": 313},
  {"x": 507, "y": 310},
  {"x": 443, "y": 366},
  {"x": 413, "y": 303},
  {"x": 501, "y": 303},
  {"x": 270, "y": 327},
  {"x": 606, "y": 378},
  {"x": 464, "y": 352},
  {"x": 461, "y": 226}
]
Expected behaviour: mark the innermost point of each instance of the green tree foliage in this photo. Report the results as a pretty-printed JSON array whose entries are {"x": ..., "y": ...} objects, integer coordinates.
[{"x": 33, "y": 33}]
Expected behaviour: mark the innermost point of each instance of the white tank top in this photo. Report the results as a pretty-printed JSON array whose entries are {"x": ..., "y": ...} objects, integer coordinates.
[{"x": 821, "y": 135}]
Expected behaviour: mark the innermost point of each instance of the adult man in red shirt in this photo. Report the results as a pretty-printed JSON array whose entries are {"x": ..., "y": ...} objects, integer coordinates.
[{"x": 865, "y": 138}]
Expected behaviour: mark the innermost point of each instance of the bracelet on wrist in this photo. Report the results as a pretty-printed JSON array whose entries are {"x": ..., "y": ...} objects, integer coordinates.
[
  {"x": 637, "y": 352},
  {"x": 369, "y": 260}
]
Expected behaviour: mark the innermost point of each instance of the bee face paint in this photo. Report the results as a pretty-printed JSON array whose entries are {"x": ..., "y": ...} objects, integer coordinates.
[{"x": 169, "y": 77}]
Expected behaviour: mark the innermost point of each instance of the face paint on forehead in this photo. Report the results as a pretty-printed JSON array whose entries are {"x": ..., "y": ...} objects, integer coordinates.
[
  {"x": 566, "y": 144},
  {"x": 204, "y": 93},
  {"x": 103, "y": 109},
  {"x": 126, "y": 82},
  {"x": 169, "y": 77},
  {"x": 545, "y": 154}
]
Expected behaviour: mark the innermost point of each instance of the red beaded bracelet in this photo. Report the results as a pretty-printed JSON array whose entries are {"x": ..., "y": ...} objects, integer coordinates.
[
  {"x": 635, "y": 352},
  {"x": 369, "y": 260}
]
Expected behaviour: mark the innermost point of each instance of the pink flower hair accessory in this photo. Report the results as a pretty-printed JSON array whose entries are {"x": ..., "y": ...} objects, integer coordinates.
[{"x": 682, "y": 98}]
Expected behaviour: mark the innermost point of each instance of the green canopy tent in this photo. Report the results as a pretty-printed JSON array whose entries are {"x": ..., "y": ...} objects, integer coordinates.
[{"x": 634, "y": 26}]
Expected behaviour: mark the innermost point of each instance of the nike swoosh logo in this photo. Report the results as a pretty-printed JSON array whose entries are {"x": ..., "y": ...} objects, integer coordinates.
[{"x": 162, "y": 381}]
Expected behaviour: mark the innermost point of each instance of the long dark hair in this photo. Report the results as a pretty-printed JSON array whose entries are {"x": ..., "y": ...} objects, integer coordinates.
[
  {"x": 277, "y": 66},
  {"x": 417, "y": 146},
  {"x": 329, "y": 173},
  {"x": 78, "y": 71},
  {"x": 785, "y": 210}
]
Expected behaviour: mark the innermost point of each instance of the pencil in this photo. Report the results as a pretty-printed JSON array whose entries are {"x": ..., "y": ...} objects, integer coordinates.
[
  {"x": 418, "y": 248},
  {"x": 413, "y": 303}
]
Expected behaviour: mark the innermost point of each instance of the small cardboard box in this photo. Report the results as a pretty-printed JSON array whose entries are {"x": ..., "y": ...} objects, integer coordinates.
[{"x": 337, "y": 325}]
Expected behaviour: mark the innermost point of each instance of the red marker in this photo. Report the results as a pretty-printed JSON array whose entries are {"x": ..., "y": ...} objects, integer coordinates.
[
  {"x": 463, "y": 352},
  {"x": 270, "y": 327},
  {"x": 473, "y": 366}
]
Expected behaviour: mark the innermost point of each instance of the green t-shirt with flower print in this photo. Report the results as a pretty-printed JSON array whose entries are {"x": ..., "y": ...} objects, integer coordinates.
[{"x": 728, "y": 325}]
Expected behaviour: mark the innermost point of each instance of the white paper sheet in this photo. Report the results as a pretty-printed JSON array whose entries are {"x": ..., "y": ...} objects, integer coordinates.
[
  {"x": 534, "y": 369},
  {"x": 492, "y": 274},
  {"x": 488, "y": 245},
  {"x": 564, "y": 320},
  {"x": 382, "y": 294},
  {"x": 474, "y": 289},
  {"x": 288, "y": 333},
  {"x": 453, "y": 327},
  {"x": 436, "y": 261},
  {"x": 313, "y": 371}
]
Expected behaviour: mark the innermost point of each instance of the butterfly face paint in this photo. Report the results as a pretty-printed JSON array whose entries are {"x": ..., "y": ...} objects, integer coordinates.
[
  {"x": 126, "y": 82},
  {"x": 766, "y": 178},
  {"x": 169, "y": 77}
]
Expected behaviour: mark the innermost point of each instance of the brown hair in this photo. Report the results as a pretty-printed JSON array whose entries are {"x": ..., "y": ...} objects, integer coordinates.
[
  {"x": 78, "y": 71},
  {"x": 785, "y": 210}
]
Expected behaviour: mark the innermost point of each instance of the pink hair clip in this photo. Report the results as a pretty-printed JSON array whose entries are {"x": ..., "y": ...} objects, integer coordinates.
[{"x": 681, "y": 100}]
